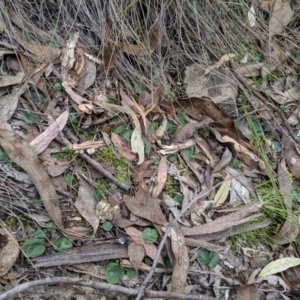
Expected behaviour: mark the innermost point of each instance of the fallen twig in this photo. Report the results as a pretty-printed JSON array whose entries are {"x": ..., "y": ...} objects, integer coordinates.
[
  {"x": 94, "y": 164},
  {"x": 98, "y": 286}
]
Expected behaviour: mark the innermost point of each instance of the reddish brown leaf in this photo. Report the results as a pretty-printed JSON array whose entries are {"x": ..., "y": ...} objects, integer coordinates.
[{"x": 145, "y": 206}]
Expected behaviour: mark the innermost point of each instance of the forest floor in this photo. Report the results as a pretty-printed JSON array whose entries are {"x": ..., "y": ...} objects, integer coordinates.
[{"x": 149, "y": 149}]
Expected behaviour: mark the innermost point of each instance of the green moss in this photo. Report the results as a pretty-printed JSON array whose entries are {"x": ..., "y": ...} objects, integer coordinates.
[
  {"x": 172, "y": 187},
  {"x": 123, "y": 168}
]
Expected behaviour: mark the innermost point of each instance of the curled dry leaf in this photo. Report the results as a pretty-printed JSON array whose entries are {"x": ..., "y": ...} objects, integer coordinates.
[
  {"x": 9, "y": 250},
  {"x": 122, "y": 147},
  {"x": 86, "y": 205},
  {"x": 40, "y": 143},
  {"x": 21, "y": 153},
  {"x": 249, "y": 157},
  {"x": 162, "y": 173},
  {"x": 145, "y": 206}
]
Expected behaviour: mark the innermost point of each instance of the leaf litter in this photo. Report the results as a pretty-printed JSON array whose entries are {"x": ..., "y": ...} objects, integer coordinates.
[{"x": 162, "y": 155}]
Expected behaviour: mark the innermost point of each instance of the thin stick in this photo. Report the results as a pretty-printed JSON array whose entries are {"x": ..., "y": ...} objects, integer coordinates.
[{"x": 98, "y": 286}]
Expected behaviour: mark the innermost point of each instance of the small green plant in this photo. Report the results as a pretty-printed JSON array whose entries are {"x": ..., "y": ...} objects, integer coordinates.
[
  {"x": 34, "y": 247},
  {"x": 63, "y": 243},
  {"x": 170, "y": 93},
  {"x": 150, "y": 235},
  {"x": 69, "y": 179},
  {"x": 209, "y": 258},
  {"x": 114, "y": 272},
  {"x": 50, "y": 226},
  {"x": 30, "y": 118},
  {"x": 107, "y": 225}
]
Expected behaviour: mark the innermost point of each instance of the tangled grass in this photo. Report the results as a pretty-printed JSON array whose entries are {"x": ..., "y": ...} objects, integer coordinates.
[{"x": 189, "y": 32}]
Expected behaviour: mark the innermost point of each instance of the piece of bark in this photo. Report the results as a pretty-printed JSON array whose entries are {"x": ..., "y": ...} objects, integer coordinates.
[{"x": 83, "y": 254}]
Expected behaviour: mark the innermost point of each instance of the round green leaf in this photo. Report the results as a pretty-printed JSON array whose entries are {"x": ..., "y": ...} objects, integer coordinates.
[
  {"x": 30, "y": 118},
  {"x": 179, "y": 199},
  {"x": 113, "y": 273},
  {"x": 39, "y": 234},
  {"x": 131, "y": 273},
  {"x": 37, "y": 201},
  {"x": 150, "y": 235},
  {"x": 107, "y": 226},
  {"x": 203, "y": 257},
  {"x": 214, "y": 259},
  {"x": 137, "y": 88},
  {"x": 181, "y": 118},
  {"x": 34, "y": 247},
  {"x": 98, "y": 195},
  {"x": 57, "y": 86},
  {"x": 120, "y": 129},
  {"x": 127, "y": 134},
  {"x": 63, "y": 243},
  {"x": 50, "y": 226},
  {"x": 3, "y": 155}
]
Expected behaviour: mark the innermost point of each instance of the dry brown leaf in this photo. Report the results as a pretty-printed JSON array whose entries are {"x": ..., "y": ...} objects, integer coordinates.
[
  {"x": 281, "y": 16},
  {"x": 136, "y": 253},
  {"x": 86, "y": 204},
  {"x": 243, "y": 150},
  {"x": 291, "y": 155},
  {"x": 290, "y": 229},
  {"x": 185, "y": 132},
  {"x": 122, "y": 147},
  {"x": 248, "y": 292},
  {"x": 11, "y": 80},
  {"x": 145, "y": 206},
  {"x": 40, "y": 53},
  {"x": 20, "y": 152},
  {"x": 218, "y": 86},
  {"x": 9, "y": 250},
  {"x": 143, "y": 171},
  {"x": 121, "y": 222},
  {"x": 162, "y": 173},
  {"x": 225, "y": 160},
  {"x": 228, "y": 221},
  {"x": 197, "y": 107},
  {"x": 8, "y": 105},
  {"x": 87, "y": 75},
  {"x": 137, "y": 236}
]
